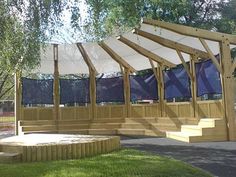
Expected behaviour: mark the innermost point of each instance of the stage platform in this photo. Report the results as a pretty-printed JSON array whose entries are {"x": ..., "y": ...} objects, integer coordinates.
[{"x": 46, "y": 147}]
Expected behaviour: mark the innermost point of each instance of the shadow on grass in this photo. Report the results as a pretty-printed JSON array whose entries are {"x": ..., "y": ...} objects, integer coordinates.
[{"x": 124, "y": 163}]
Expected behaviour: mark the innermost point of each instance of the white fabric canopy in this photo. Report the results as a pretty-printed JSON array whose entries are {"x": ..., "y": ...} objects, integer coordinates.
[{"x": 72, "y": 62}]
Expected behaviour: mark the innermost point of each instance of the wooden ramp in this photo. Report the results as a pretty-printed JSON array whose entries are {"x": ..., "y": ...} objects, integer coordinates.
[{"x": 208, "y": 129}]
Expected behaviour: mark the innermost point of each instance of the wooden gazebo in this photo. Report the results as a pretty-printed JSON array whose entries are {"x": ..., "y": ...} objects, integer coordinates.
[{"x": 156, "y": 45}]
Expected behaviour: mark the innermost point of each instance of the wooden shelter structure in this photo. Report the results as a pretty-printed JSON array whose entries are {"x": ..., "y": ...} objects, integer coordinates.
[{"x": 157, "y": 45}]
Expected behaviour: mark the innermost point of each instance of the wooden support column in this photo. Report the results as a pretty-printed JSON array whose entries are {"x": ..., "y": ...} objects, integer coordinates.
[
  {"x": 92, "y": 82},
  {"x": 161, "y": 91},
  {"x": 193, "y": 85},
  {"x": 127, "y": 92},
  {"x": 56, "y": 96},
  {"x": 18, "y": 95},
  {"x": 228, "y": 91}
]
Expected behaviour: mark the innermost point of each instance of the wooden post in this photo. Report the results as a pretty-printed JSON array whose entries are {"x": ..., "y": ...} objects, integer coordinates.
[
  {"x": 56, "y": 97},
  {"x": 18, "y": 93},
  {"x": 228, "y": 91},
  {"x": 92, "y": 82},
  {"x": 193, "y": 85},
  {"x": 161, "y": 91},
  {"x": 127, "y": 92}
]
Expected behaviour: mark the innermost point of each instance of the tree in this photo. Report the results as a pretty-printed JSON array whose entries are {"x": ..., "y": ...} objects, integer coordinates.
[{"x": 107, "y": 17}]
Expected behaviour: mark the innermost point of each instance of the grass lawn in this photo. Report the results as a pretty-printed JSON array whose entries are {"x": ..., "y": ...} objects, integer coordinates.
[
  {"x": 7, "y": 119},
  {"x": 124, "y": 163}
]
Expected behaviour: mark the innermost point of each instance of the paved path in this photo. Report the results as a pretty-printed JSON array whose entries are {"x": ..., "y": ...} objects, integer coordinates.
[{"x": 218, "y": 158}]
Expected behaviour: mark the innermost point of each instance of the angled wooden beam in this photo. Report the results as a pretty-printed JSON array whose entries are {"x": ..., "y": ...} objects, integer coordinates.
[
  {"x": 172, "y": 44},
  {"x": 184, "y": 64},
  {"x": 190, "y": 31},
  {"x": 146, "y": 52},
  {"x": 212, "y": 56},
  {"x": 154, "y": 69},
  {"x": 86, "y": 57},
  {"x": 116, "y": 57}
]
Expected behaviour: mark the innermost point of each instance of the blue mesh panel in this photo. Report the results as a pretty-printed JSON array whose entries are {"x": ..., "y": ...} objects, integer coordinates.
[
  {"x": 37, "y": 91},
  {"x": 110, "y": 90},
  {"x": 208, "y": 78},
  {"x": 143, "y": 87},
  {"x": 74, "y": 91},
  {"x": 176, "y": 83}
]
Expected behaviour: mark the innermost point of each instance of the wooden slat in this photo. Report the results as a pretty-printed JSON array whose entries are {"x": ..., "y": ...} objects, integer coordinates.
[
  {"x": 116, "y": 57},
  {"x": 212, "y": 56},
  {"x": 146, "y": 52},
  {"x": 190, "y": 31},
  {"x": 171, "y": 44},
  {"x": 184, "y": 64},
  {"x": 86, "y": 57}
]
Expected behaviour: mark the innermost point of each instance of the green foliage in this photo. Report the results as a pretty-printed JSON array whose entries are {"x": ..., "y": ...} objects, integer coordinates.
[
  {"x": 124, "y": 163},
  {"x": 107, "y": 17}
]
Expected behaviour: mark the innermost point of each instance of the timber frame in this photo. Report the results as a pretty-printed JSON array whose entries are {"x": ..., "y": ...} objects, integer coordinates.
[{"x": 226, "y": 66}]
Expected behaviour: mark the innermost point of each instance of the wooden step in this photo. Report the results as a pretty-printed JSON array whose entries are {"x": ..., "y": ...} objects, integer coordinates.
[
  {"x": 102, "y": 132},
  {"x": 135, "y": 126},
  {"x": 75, "y": 131},
  {"x": 181, "y": 136},
  {"x": 105, "y": 126},
  {"x": 131, "y": 131},
  {"x": 212, "y": 122},
  {"x": 141, "y": 120},
  {"x": 36, "y": 123},
  {"x": 165, "y": 127},
  {"x": 39, "y": 128},
  {"x": 109, "y": 120},
  {"x": 155, "y": 133},
  {"x": 73, "y": 126},
  {"x": 6, "y": 157}
]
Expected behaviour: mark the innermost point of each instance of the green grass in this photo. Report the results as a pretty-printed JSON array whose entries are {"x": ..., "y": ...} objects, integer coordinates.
[
  {"x": 7, "y": 119},
  {"x": 124, "y": 163}
]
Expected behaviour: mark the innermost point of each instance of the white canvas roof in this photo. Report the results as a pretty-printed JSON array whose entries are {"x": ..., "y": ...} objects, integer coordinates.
[{"x": 72, "y": 62}]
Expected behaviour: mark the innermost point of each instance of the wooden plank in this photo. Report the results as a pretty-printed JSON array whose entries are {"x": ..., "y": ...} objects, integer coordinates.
[
  {"x": 184, "y": 64},
  {"x": 228, "y": 90},
  {"x": 212, "y": 56},
  {"x": 172, "y": 44},
  {"x": 86, "y": 57},
  {"x": 145, "y": 52},
  {"x": 116, "y": 57},
  {"x": 56, "y": 96},
  {"x": 190, "y": 31},
  {"x": 39, "y": 153}
]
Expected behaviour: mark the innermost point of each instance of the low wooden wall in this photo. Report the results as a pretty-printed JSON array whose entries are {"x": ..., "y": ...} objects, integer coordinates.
[{"x": 177, "y": 109}]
